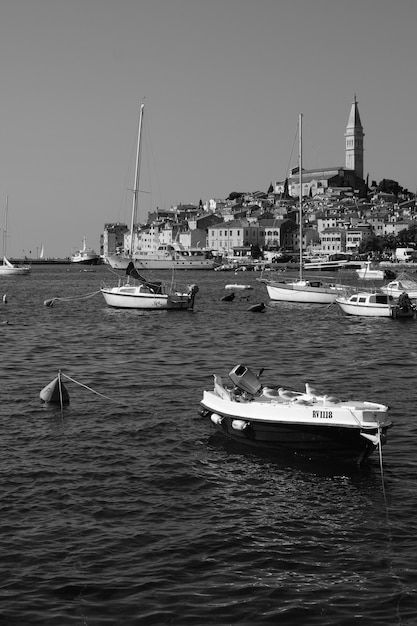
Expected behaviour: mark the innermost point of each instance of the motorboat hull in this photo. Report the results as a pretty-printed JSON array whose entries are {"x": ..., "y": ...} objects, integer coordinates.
[
  {"x": 365, "y": 309},
  {"x": 337, "y": 443}
]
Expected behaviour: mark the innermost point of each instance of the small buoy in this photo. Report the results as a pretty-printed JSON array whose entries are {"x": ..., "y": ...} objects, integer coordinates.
[
  {"x": 50, "y": 302},
  {"x": 228, "y": 298},
  {"x": 5, "y": 298},
  {"x": 257, "y": 308},
  {"x": 55, "y": 392}
]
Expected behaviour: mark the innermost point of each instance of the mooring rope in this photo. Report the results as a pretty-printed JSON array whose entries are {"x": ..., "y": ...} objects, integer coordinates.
[
  {"x": 93, "y": 391},
  {"x": 52, "y": 301}
]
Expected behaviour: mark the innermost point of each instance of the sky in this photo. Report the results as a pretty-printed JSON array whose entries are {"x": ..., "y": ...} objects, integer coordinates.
[{"x": 223, "y": 82}]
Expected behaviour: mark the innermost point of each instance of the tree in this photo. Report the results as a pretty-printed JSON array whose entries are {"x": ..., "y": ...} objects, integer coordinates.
[
  {"x": 235, "y": 194},
  {"x": 389, "y": 186}
]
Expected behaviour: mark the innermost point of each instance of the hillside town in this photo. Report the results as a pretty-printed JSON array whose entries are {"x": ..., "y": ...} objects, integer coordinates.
[{"x": 342, "y": 213}]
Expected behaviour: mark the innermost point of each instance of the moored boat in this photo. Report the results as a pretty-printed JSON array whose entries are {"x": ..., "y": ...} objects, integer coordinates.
[
  {"x": 374, "y": 304},
  {"x": 12, "y": 269},
  {"x": 7, "y": 268},
  {"x": 402, "y": 284},
  {"x": 136, "y": 292},
  {"x": 85, "y": 256},
  {"x": 368, "y": 271},
  {"x": 308, "y": 423},
  {"x": 166, "y": 257},
  {"x": 301, "y": 290}
]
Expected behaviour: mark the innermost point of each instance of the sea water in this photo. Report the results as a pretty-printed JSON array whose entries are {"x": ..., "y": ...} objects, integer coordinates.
[{"x": 126, "y": 508}]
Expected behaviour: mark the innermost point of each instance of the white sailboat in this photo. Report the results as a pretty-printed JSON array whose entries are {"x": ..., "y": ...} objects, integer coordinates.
[
  {"x": 166, "y": 256},
  {"x": 6, "y": 267},
  {"x": 136, "y": 292},
  {"x": 301, "y": 290}
]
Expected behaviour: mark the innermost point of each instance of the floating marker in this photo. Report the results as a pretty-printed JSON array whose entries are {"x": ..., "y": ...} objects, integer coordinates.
[
  {"x": 55, "y": 392},
  {"x": 5, "y": 298},
  {"x": 50, "y": 302}
]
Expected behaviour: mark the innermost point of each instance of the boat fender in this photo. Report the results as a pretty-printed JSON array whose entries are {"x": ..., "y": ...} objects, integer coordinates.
[
  {"x": 372, "y": 438},
  {"x": 239, "y": 424},
  {"x": 216, "y": 419}
]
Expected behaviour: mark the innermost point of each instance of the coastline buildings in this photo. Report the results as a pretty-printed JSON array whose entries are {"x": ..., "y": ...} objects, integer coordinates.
[{"x": 340, "y": 213}]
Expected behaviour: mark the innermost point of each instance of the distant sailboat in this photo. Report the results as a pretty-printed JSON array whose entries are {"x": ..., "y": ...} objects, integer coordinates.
[
  {"x": 42, "y": 253},
  {"x": 6, "y": 267}
]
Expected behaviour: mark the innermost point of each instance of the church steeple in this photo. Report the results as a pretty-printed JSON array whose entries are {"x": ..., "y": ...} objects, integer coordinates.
[{"x": 354, "y": 141}]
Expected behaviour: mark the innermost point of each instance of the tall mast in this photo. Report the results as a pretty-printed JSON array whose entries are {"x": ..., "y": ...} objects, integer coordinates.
[
  {"x": 300, "y": 167},
  {"x": 137, "y": 177}
]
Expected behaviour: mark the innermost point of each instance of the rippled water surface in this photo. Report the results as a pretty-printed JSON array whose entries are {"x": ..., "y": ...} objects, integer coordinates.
[{"x": 126, "y": 508}]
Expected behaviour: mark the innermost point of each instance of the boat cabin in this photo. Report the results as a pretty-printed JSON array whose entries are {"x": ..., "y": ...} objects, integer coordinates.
[{"x": 371, "y": 298}]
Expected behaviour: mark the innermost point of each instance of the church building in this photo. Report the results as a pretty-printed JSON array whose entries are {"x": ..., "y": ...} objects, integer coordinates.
[{"x": 317, "y": 182}]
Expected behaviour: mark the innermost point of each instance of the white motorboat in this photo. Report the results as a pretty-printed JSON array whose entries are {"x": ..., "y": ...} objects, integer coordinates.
[
  {"x": 402, "y": 284},
  {"x": 308, "y": 423},
  {"x": 373, "y": 304},
  {"x": 369, "y": 272},
  {"x": 136, "y": 292},
  {"x": 85, "y": 256},
  {"x": 301, "y": 290}
]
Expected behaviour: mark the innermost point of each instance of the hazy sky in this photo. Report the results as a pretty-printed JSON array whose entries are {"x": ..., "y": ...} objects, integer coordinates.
[{"x": 223, "y": 82}]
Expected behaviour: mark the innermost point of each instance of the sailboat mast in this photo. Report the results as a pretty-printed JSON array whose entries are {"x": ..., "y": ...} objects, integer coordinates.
[
  {"x": 137, "y": 177},
  {"x": 6, "y": 216},
  {"x": 300, "y": 167}
]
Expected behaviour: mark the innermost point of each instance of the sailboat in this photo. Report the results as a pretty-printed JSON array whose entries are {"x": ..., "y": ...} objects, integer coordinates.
[
  {"x": 6, "y": 267},
  {"x": 136, "y": 292},
  {"x": 302, "y": 290},
  {"x": 166, "y": 256}
]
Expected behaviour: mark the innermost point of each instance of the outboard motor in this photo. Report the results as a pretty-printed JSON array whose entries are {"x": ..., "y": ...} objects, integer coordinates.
[{"x": 245, "y": 379}]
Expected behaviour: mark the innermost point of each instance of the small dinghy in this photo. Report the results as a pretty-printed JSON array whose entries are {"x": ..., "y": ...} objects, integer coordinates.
[
  {"x": 310, "y": 424},
  {"x": 238, "y": 286},
  {"x": 55, "y": 392}
]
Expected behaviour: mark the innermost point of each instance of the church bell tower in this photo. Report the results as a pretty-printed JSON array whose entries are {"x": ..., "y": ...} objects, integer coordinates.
[{"x": 354, "y": 141}]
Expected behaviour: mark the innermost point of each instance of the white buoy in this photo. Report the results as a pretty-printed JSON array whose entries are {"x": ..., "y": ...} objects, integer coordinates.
[
  {"x": 5, "y": 298},
  {"x": 55, "y": 392}
]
